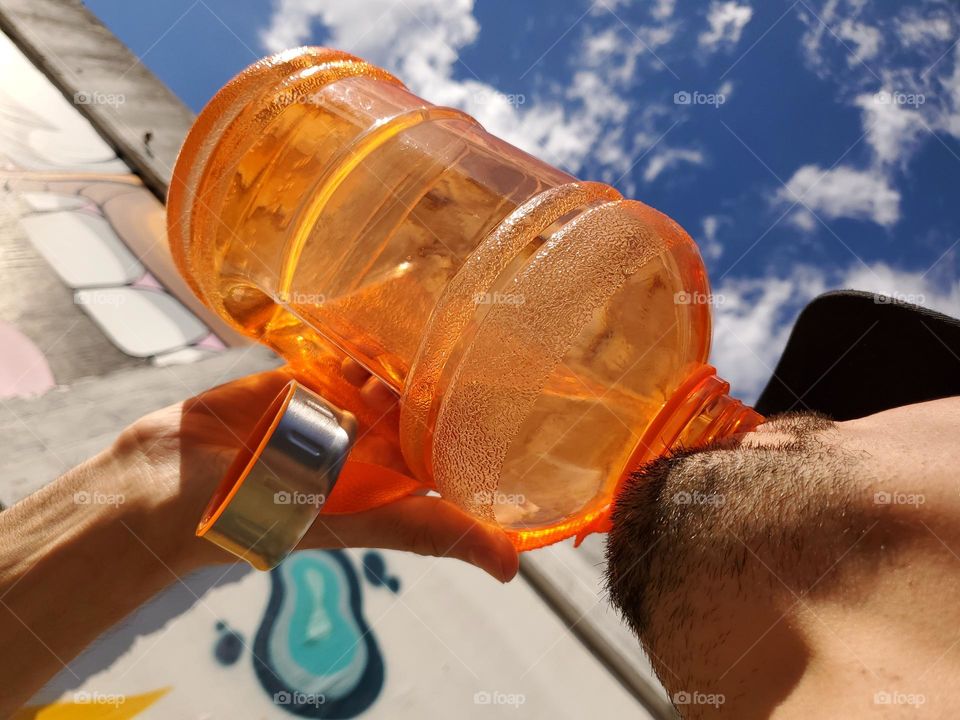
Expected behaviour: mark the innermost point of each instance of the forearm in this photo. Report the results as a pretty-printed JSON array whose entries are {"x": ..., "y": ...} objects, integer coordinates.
[
  {"x": 81, "y": 554},
  {"x": 75, "y": 558}
]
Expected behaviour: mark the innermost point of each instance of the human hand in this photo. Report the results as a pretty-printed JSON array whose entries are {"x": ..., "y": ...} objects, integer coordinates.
[{"x": 172, "y": 460}]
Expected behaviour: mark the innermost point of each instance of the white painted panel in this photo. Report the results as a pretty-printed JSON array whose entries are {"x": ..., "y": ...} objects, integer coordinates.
[
  {"x": 141, "y": 322},
  {"x": 82, "y": 248}
]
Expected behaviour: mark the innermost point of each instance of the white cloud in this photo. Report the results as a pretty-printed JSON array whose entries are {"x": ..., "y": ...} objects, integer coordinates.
[
  {"x": 843, "y": 192},
  {"x": 420, "y": 42},
  {"x": 753, "y": 317},
  {"x": 752, "y": 321},
  {"x": 711, "y": 223},
  {"x": 803, "y": 219},
  {"x": 420, "y": 39},
  {"x": 599, "y": 47},
  {"x": 865, "y": 39},
  {"x": 919, "y": 288},
  {"x": 928, "y": 31},
  {"x": 291, "y": 24},
  {"x": 947, "y": 116},
  {"x": 822, "y": 23},
  {"x": 668, "y": 157},
  {"x": 616, "y": 50},
  {"x": 892, "y": 127},
  {"x": 663, "y": 9},
  {"x": 654, "y": 37},
  {"x": 916, "y": 30},
  {"x": 900, "y": 108},
  {"x": 726, "y": 20},
  {"x": 710, "y": 246}
]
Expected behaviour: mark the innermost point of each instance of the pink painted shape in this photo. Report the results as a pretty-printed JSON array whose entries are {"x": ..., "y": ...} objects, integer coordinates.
[
  {"x": 148, "y": 281},
  {"x": 23, "y": 367},
  {"x": 211, "y": 342}
]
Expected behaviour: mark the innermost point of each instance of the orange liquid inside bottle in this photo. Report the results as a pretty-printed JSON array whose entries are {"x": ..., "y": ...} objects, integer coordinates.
[{"x": 542, "y": 335}]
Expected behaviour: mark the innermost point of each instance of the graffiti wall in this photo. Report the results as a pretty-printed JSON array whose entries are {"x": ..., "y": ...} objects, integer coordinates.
[{"x": 88, "y": 287}]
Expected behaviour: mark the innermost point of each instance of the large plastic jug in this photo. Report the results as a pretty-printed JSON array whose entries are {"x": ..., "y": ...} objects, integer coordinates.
[{"x": 542, "y": 335}]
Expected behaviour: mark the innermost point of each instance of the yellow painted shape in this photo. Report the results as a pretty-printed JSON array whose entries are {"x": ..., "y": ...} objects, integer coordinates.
[{"x": 102, "y": 708}]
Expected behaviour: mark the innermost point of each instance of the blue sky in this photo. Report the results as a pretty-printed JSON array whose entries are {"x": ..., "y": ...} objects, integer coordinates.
[{"x": 820, "y": 146}]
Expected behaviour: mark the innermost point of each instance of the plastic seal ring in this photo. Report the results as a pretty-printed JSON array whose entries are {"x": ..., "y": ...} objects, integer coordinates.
[{"x": 280, "y": 479}]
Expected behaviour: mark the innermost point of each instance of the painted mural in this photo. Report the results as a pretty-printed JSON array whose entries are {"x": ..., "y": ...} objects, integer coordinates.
[
  {"x": 313, "y": 654},
  {"x": 88, "y": 287}
]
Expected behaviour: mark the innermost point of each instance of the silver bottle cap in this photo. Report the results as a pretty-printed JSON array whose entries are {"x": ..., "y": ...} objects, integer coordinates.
[{"x": 280, "y": 480}]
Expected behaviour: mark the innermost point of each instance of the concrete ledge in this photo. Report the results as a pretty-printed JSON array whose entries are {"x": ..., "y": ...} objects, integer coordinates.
[{"x": 47, "y": 435}]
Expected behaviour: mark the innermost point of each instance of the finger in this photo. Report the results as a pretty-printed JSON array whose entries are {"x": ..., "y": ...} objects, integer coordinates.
[
  {"x": 423, "y": 525},
  {"x": 377, "y": 395}
]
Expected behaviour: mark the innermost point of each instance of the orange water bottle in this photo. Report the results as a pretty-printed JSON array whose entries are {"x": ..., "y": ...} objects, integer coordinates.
[{"x": 542, "y": 335}]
